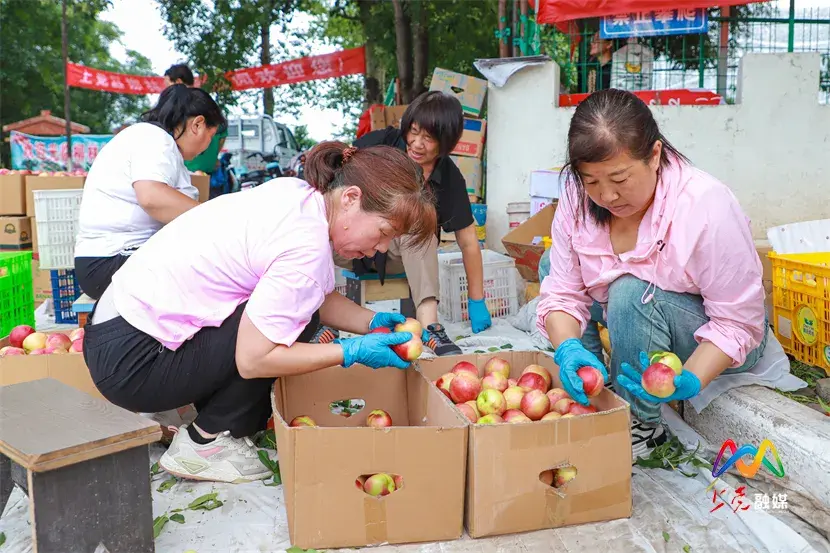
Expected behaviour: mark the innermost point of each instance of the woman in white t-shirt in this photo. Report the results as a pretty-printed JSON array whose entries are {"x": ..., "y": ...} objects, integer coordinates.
[{"x": 139, "y": 183}]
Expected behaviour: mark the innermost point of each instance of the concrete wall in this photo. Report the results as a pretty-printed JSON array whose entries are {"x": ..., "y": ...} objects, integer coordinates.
[{"x": 772, "y": 148}]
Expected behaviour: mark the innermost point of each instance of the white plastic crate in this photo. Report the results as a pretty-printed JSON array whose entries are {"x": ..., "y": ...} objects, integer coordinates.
[
  {"x": 56, "y": 217},
  {"x": 339, "y": 281},
  {"x": 500, "y": 294}
]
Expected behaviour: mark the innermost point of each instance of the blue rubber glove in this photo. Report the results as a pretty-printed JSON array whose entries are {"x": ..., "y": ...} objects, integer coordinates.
[
  {"x": 479, "y": 315},
  {"x": 374, "y": 350},
  {"x": 389, "y": 320},
  {"x": 571, "y": 356},
  {"x": 686, "y": 384}
]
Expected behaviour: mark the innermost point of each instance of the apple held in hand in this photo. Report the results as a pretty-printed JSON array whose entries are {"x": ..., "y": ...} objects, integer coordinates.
[
  {"x": 411, "y": 349},
  {"x": 592, "y": 381},
  {"x": 378, "y": 418},
  {"x": 410, "y": 325},
  {"x": 658, "y": 380},
  {"x": 497, "y": 365},
  {"x": 667, "y": 358}
]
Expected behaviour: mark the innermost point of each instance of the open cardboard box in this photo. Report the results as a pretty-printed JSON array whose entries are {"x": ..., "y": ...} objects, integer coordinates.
[
  {"x": 69, "y": 368},
  {"x": 504, "y": 461},
  {"x": 427, "y": 447},
  {"x": 519, "y": 242}
]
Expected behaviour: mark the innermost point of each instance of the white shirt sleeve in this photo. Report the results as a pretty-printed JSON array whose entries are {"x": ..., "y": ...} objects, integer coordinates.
[{"x": 156, "y": 160}]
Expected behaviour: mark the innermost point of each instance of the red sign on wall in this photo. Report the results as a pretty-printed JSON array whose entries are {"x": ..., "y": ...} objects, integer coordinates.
[{"x": 678, "y": 97}]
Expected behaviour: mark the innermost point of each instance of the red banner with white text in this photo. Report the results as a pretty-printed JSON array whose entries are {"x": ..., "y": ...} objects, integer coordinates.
[
  {"x": 96, "y": 79},
  {"x": 557, "y": 11},
  {"x": 326, "y": 66}
]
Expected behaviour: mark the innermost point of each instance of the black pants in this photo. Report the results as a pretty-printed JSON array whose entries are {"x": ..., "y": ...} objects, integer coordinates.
[
  {"x": 134, "y": 371},
  {"x": 94, "y": 274}
]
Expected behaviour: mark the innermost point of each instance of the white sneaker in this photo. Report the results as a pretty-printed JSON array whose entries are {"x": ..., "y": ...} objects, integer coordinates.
[
  {"x": 225, "y": 459},
  {"x": 645, "y": 437}
]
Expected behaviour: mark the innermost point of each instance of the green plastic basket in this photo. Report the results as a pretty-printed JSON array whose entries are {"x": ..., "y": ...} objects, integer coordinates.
[{"x": 17, "y": 302}]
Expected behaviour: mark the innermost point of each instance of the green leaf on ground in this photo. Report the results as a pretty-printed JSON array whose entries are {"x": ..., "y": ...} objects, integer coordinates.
[
  {"x": 2, "y": 538},
  {"x": 507, "y": 346},
  {"x": 177, "y": 518},
  {"x": 154, "y": 469},
  {"x": 672, "y": 455},
  {"x": 167, "y": 484},
  {"x": 158, "y": 524},
  {"x": 457, "y": 338},
  {"x": 295, "y": 549},
  {"x": 207, "y": 502},
  {"x": 666, "y": 536},
  {"x": 176, "y": 510},
  {"x": 479, "y": 351},
  {"x": 492, "y": 349},
  {"x": 267, "y": 439},
  {"x": 823, "y": 405},
  {"x": 687, "y": 548}
]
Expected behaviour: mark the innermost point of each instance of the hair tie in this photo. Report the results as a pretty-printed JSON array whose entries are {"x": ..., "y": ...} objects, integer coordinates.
[{"x": 348, "y": 153}]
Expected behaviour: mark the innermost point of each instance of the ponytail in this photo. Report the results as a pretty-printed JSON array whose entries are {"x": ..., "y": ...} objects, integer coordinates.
[{"x": 178, "y": 103}]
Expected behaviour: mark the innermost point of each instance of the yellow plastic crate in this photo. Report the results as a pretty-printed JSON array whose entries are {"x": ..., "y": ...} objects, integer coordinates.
[{"x": 801, "y": 305}]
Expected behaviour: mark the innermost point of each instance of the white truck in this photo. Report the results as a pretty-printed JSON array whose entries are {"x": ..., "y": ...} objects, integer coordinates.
[{"x": 251, "y": 134}]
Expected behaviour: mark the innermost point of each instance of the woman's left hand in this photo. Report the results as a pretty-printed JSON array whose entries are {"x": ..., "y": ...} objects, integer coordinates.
[
  {"x": 479, "y": 315},
  {"x": 389, "y": 320},
  {"x": 686, "y": 384}
]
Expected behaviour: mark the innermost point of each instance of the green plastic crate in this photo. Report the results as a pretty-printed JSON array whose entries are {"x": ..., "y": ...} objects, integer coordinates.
[{"x": 17, "y": 301}]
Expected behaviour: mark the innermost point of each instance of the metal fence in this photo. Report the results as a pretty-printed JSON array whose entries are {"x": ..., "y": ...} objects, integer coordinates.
[{"x": 703, "y": 61}]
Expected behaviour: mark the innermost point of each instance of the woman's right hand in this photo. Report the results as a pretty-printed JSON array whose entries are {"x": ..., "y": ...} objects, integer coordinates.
[
  {"x": 374, "y": 350},
  {"x": 571, "y": 356}
]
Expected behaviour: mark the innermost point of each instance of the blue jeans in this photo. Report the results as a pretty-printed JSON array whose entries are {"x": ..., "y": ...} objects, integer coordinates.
[{"x": 667, "y": 323}]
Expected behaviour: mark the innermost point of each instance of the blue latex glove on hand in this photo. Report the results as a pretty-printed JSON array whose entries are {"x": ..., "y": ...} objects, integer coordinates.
[
  {"x": 374, "y": 350},
  {"x": 686, "y": 384},
  {"x": 479, "y": 315},
  {"x": 389, "y": 320},
  {"x": 571, "y": 356}
]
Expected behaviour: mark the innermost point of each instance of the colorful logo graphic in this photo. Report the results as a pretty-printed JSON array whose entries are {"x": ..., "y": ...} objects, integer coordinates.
[{"x": 736, "y": 459}]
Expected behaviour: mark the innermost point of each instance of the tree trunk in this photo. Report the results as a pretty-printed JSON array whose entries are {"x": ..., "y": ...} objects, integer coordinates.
[
  {"x": 373, "y": 86},
  {"x": 421, "y": 53},
  {"x": 265, "y": 59},
  {"x": 403, "y": 50}
]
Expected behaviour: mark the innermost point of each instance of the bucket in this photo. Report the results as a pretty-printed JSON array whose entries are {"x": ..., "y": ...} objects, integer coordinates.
[
  {"x": 480, "y": 216},
  {"x": 517, "y": 213}
]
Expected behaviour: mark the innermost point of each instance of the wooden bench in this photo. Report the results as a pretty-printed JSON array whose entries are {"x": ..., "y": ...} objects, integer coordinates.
[
  {"x": 83, "y": 307},
  {"x": 363, "y": 288},
  {"x": 84, "y": 464}
]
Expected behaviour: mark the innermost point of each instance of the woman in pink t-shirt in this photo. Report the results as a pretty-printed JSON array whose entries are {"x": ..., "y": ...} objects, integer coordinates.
[
  {"x": 659, "y": 252},
  {"x": 226, "y": 297}
]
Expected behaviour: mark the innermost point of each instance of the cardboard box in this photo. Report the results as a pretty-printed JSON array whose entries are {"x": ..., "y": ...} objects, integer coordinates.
[
  {"x": 202, "y": 184},
  {"x": 538, "y": 203},
  {"x": 15, "y": 233},
  {"x": 522, "y": 245},
  {"x": 33, "y": 226},
  {"x": 319, "y": 465},
  {"x": 49, "y": 183},
  {"x": 12, "y": 195},
  {"x": 41, "y": 283},
  {"x": 382, "y": 117},
  {"x": 470, "y": 167},
  {"x": 470, "y": 91},
  {"x": 545, "y": 183},
  {"x": 504, "y": 461},
  {"x": 69, "y": 368},
  {"x": 472, "y": 139}
]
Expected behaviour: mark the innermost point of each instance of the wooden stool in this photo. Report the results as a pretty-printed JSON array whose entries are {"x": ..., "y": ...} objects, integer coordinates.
[
  {"x": 85, "y": 465},
  {"x": 83, "y": 307},
  {"x": 363, "y": 288}
]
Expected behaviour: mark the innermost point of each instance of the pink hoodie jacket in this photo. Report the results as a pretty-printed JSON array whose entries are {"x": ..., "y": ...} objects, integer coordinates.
[{"x": 695, "y": 238}]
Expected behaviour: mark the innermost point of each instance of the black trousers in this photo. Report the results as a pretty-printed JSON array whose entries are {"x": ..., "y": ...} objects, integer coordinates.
[
  {"x": 94, "y": 274},
  {"x": 134, "y": 371}
]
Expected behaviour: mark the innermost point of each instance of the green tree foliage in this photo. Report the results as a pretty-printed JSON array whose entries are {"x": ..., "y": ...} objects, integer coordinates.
[
  {"x": 304, "y": 141},
  {"x": 31, "y": 67}
]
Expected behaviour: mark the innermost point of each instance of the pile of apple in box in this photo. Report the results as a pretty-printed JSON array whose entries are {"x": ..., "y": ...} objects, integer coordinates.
[
  {"x": 24, "y": 340},
  {"x": 536, "y": 459}
]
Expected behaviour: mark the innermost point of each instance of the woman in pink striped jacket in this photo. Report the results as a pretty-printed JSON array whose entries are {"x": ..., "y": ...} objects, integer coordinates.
[{"x": 658, "y": 251}]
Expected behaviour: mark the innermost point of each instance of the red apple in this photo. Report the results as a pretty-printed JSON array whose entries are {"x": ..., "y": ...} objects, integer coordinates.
[
  {"x": 515, "y": 416},
  {"x": 556, "y": 394},
  {"x": 56, "y": 351},
  {"x": 18, "y": 334},
  {"x": 34, "y": 341},
  {"x": 658, "y": 380},
  {"x": 39, "y": 351},
  {"x": 77, "y": 346},
  {"x": 494, "y": 381},
  {"x": 412, "y": 326},
  {"x": 77, "y": 334},
  {"x": 568, "y": 415},
  {"x": 578, "y": 409},
  {"x": 302, "y": 420},
  {"x": 380, "y": 330},
  {"x": 443, "y": 383},
  {"x": 490, "y": 419},
  {"x": 464, "y": 387},
  {"x": 359, "y": 481},
  {"x": 667, "y": 358},
  {"x": 541, "y": 371},
  {"x": 410, "y": 350},
  {"x": 491, "y": 402},
  {"x": 472, "y": 404},
  {"x": 532, "y": 381},
  {"x": 552, "y": 416},
  {"x": 464, "y": 366},
  {"x": 497, "y": 365},
  {"x": 563, "y": 475},
  {"x": 379, "y": 484},
  {"x": 9, "y": 351},
  {"x": 378, "y": 418},
  {"x": 512, "y": 382},
  {"x": 58, "y": 340},
  {"x": 467, "y": 411},
  {"x": 535, "y": 405},
  {"x": 592, "y": 381},
  {"x": 513, "y": 396},
  {"x": 563, "y": 406}
]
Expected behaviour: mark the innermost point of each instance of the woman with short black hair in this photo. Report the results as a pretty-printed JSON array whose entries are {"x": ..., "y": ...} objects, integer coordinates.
[
  {"x": 138, "y": 183},
  {"x": 430, "y": 129}
]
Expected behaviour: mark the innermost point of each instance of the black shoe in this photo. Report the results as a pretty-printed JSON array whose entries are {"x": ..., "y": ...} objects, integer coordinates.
[
  {"x": 325, "y": 335},
  {"x": 440, "y": 343},
  {"x": 645, "y": 437}
]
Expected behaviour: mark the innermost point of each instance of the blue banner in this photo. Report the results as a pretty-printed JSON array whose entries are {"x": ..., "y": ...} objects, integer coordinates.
[
  {"x": 656, "y": 23},
  {"x": 49, "y": 153}
]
